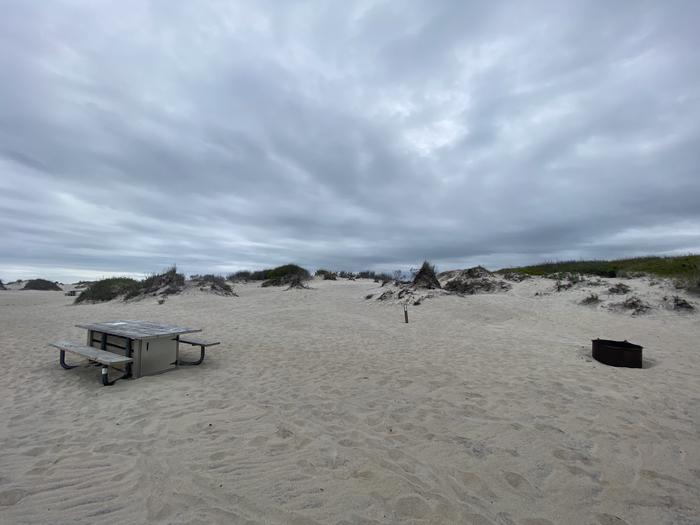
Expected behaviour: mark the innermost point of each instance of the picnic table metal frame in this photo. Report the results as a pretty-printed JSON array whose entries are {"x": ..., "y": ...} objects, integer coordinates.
[{"x": 202, "y": 344}]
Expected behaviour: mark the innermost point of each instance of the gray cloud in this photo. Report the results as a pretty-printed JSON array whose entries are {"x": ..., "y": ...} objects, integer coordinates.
[{"x": 224, "y": 135}]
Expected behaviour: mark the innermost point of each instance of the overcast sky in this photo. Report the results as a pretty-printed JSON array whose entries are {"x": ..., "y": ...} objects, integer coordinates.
[{"x": 225, "y": 135}]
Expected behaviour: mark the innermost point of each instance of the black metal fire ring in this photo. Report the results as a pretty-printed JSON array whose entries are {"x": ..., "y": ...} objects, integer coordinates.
[{"x": 617, "y": 353}]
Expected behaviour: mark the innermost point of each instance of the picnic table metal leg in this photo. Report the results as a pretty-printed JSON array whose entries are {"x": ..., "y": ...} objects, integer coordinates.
[
  {"x": 195, "y": 363},
  {"x": 105, "y": 377},
  {"x": 201, "y": 357},
  {"x": 63, "y": 361}
]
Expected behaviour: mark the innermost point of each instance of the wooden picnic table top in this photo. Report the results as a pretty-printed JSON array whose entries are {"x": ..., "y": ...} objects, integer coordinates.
[{"x": 138, "y": 329}]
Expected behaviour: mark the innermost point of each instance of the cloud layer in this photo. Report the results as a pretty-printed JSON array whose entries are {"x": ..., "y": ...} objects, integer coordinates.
[{"x": 368, "y": 134}]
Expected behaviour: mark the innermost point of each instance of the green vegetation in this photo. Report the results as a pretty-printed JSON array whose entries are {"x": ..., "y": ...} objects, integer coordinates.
[
  {"x": 107, "y": 289},
  {"x": 288, "y": 269},
  {"x": 678, "y": 303},
  {"x": 620, "y": 289},
  {"x": 243, "y": 275},
  {"x": 369, "y": 274},
  {"x": 343, "y": 274},
  {"x": 561, "y": 286},
  {"x": 172, "y": 281},
  {"x": 216, "y": 283},
  {"x": 260, "y": 275},
  {"x": 41, "y": 284},
  {"x": 690, "y": 282},
  {"x": 591, "y": 299},
  {"x": 285, "y": 275},
  {"x": 326, "y": 274},
  {"x": 165, "y": 283},
  {"x": 673, "y": 267},
  {"x": 635, "y": 304}
]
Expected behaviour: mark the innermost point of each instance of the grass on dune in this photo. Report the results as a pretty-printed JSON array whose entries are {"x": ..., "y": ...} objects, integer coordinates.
[
  {"x": 660, "y": 266},
  {"x": 684, "y": 269},
  {"x": 107, "y": 289},
  {"x": 169, "y": 281}
]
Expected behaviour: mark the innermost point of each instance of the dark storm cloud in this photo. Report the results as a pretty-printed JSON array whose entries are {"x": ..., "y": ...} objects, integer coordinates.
[{"x": 224, "y": 135}]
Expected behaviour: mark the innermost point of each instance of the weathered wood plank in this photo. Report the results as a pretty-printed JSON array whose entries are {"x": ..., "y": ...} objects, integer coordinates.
[
  {"x": 138, "y": 329},
  {"x": 196, "y": 341},
  {"x": 95, "y": 354}
]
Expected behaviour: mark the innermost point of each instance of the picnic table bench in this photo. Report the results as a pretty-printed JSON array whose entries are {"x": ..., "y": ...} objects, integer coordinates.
[{"x": 106, "y": 359}]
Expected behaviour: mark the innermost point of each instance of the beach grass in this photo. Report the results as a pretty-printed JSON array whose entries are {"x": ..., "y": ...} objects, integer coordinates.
[{"x": 680, "y": 267}]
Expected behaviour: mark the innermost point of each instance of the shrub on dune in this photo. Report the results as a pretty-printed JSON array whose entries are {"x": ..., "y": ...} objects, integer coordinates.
[
  {"x": 167, "y": 282},
  {"x": 426, "y": 277},
  {"x": 679, "y": 304},
  {"x": 107, "y": 289},
  {"x": 41, "y": 284},
  {"x": 289, "y": 274},
  {"x": 476, "y": 286},
  {"x": 260, "y": 275},
  {"x": 620, "y": 289},
  {"x": 636, "y": 304},
  {"x": 243, "y": 275},
  {"x": 591, "y": 299},
  {"x": 690, "y": 282},
  {"x": 473, "y": 281},
  {"x": 297, "y": 281},
  {"x": 216, "y": 283}
]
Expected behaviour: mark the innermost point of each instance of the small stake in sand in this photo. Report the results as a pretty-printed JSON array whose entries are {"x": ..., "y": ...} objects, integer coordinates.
[{"x": 405, "y": 312}]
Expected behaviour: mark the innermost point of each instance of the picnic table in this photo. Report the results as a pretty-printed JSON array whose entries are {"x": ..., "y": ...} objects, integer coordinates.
[
  {"x": 152, "y": 346},
  {"x": 136, "y": 348}
]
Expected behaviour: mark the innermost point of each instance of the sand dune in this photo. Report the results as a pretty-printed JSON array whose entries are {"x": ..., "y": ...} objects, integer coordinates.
[{"x": 323, "y": 407}]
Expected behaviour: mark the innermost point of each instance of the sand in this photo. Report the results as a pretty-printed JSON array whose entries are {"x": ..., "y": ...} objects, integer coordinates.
[{"x": 322, "y": 407}]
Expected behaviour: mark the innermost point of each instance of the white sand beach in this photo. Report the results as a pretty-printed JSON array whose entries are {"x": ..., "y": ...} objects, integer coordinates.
[{"x": 321, "y": 407}]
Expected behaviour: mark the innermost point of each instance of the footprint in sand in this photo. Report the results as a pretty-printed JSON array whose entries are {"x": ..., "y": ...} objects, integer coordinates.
[
  {"x": 655, "y": 476},
  {"x": 577, "y": 471},
  {"x": 11, "y": 497},
  {"x": 473, "y": 482},
  {"x": 217, "y": 456},
  {"x": 503, "y": 518},
  {"x": 571, "y": 455},
  {"x": 520, "y": 484},
  {"x": 609, "y": 519},
  {"x": 412, "y": 507},
  {"x": 543, "y": 427},
  {"x": 35, "y": 451},
  {"x": 476, "y": 519},
  {"x": 284, "y": 432}
]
